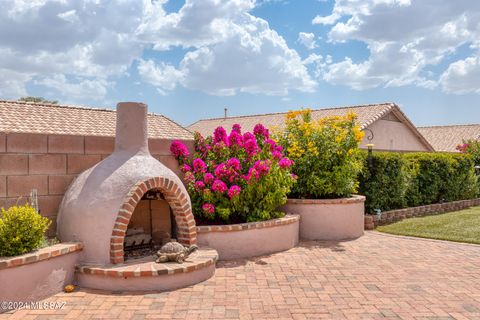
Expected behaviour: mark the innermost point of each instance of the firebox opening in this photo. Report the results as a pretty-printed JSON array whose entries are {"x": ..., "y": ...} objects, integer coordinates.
[{"x": 152, "y": 224}]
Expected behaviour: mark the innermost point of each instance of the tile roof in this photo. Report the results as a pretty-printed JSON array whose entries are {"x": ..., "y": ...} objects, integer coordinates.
[
  {"x": 447, "y": 138},
  {"x": 367, "y": 114},
  {"x": 25, "y": 117}
]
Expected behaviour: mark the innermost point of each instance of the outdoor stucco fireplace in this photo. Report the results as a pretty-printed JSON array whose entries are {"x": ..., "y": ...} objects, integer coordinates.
[{"x": 103, "y": 201}]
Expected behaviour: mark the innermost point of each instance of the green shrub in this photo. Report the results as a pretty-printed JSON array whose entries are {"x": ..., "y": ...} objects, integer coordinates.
[
  {"x": 384, "y": 181},
  {"x": 325, "y": 154},
  {"x": 437, "y": 177},
  {"x": 397, "y": 180},
  {"x": 22, "y": 230}
]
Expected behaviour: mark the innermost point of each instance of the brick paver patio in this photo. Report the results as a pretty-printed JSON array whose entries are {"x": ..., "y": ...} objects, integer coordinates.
[{"x": 375, "y": 277}]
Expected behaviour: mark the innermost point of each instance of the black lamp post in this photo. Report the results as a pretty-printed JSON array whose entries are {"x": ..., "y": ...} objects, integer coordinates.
[{"x": 370, "y": 154}]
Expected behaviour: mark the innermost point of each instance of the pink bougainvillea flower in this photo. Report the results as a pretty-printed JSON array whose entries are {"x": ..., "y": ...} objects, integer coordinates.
[
  {"x": 220, "y": 135},
  {"x": 285, "y": 163},
  {"x": 262, "y": 167},
  {"x": 252, "y": 174},
  {"x": 227, "y": 170},
  {"x": 199, "y": 185},
  {"x": 234, "y": 163},
  {"x": 277, "y": 154},
  {"x": 186, "y": 168},
  {"x": 208, "y": 178},
  {"x": 208, "y": 208},
  {"x": 248, "y": 136},
  {"x": 221, "y": 170},
  {"x": 234, "y": 191},
  {"x": 237, "y": 128},
  {"x": 199, "y": 166},
  {"x": 178, "y": 149},
  {"x": 271, "y": 143},
  {"x": 463, "y": 147},
  {"x": 259, "y": 129},
  {"x": 251, "y": 147},
  {"x": 235, "y": 139},
  {"x": 219, "y": 186}
]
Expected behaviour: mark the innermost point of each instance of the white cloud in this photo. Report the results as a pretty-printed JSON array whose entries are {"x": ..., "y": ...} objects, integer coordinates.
[
  {"x": 198, "y": 23},
  {"x": 44, "y": 39},
  {"x": 231, "y": 51},
  {"x": 403, "y": 37},
  {"x": 72, "y": 45},
  {"x": 318, "y": 63},
  {"x": 163, "y": 76},
  {"x": 307, "y": 39},
  {"x": 70, "y": 16},
  {"x": 326, "y": 20},
  {"x": 12, "y": 83},
  {"x": 462, "y": 76},
  {"x": 76, "y": 89}
]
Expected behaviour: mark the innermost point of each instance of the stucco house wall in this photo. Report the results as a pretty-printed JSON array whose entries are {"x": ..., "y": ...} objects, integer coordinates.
[
  {"x": 49, "y": 163},
  {"x": 392, "y": 136}
]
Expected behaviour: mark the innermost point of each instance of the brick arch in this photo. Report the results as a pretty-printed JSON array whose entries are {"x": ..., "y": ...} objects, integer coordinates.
[{"x": 176, "y": 198}]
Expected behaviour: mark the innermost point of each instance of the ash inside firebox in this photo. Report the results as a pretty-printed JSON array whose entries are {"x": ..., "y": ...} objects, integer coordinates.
[{"x": 142, "y": 252}]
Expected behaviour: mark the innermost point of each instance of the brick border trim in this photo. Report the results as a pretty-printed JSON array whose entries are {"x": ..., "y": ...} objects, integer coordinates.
[
  {"x": 178, "y": 200},
  {"x": 204, "y": 258},
  {"x": 387, "y": 217},
  {"x": 352, "y": 199},
  {"x": 40, "y": 255},
  {"x": 288, "y": 219}
]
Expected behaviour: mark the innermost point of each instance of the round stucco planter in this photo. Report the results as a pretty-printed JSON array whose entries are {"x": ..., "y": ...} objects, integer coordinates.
[
  {"x": 39, "y": 274},
  {"x": 248, "y": 240},
  {"x": 328, "y": 219}
]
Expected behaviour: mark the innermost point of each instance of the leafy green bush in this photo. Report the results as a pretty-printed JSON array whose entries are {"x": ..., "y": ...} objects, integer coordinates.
[
  {"x": 235, "y": 177},
  {"x": 22, "y": 230},
  {"x": 397, "y": 180},
  {"x": 384, "y": 181},
  {"x": 440, "y": 177},
  {"x": 325, "y": 154}
]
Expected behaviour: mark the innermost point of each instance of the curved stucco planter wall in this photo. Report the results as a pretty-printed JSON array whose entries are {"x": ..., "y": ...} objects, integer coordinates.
[
  {"x": 37, "y": 275},
  {"x": 247, "y": 240},
  {"x": 328, "y": 219}
]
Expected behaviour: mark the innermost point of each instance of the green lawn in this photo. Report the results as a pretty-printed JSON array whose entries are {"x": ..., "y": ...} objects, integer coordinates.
[{"x": 460, "y": 226}]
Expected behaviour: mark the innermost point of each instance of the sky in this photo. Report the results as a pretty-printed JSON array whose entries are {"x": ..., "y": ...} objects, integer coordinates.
[{"x": 189, "y": 59}]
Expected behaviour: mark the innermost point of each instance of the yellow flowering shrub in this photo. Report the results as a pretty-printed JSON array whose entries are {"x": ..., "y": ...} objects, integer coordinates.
[
  {"x": 22, "y": 229},
  {"x": 325, "y": 152}
]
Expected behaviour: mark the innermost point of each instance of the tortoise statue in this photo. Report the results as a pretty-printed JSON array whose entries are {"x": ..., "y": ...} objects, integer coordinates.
[{"x": 174, "y": 251}]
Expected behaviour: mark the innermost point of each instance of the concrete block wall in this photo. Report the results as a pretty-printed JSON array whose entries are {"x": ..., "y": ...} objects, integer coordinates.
[{"x": 49, "y": 163}]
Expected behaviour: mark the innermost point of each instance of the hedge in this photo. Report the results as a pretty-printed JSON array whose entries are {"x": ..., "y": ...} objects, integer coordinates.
[{"x": 394, "y": 180}]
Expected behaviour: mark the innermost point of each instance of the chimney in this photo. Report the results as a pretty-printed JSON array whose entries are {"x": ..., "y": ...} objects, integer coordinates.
[{"x": 131, "y": 131}]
